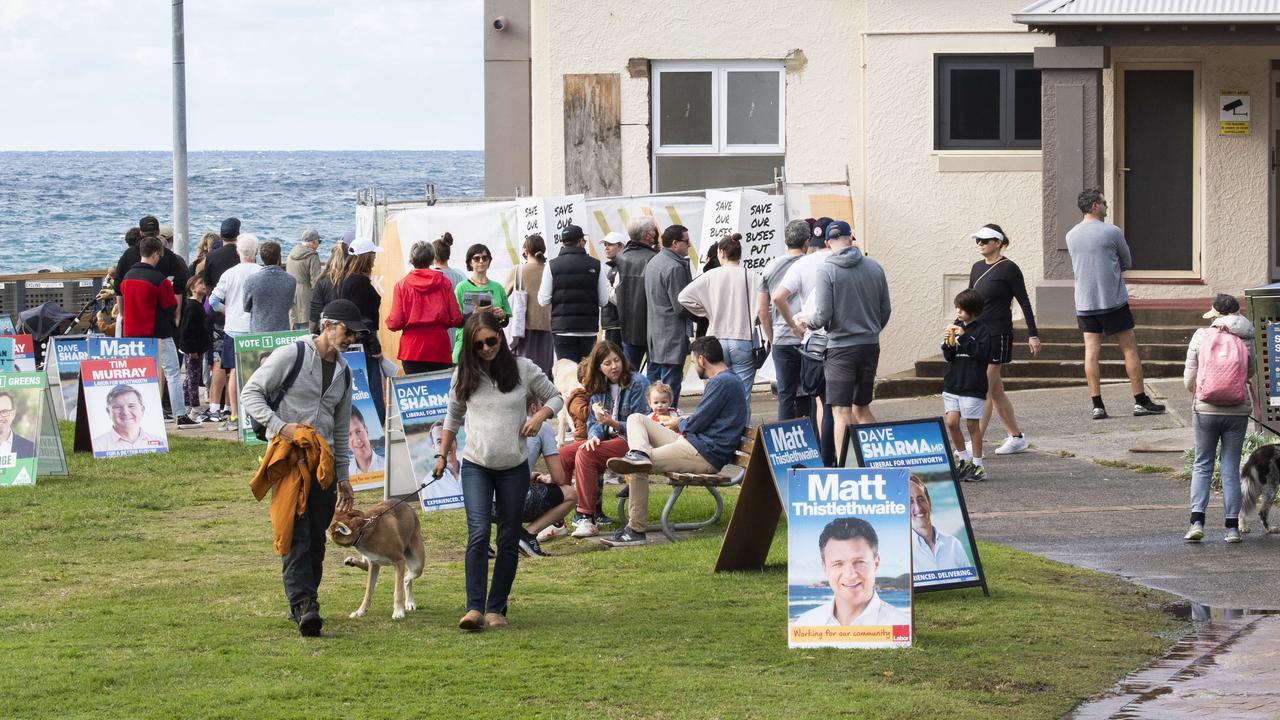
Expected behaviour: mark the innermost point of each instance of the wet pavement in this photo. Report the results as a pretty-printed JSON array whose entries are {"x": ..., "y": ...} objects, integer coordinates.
[
  {"x": 1228, "y": 668},
  {"x": 1080, "y": 498}
]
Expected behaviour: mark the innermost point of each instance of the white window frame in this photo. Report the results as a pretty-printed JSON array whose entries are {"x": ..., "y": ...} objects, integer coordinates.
[{"x": 720, "y": 94}]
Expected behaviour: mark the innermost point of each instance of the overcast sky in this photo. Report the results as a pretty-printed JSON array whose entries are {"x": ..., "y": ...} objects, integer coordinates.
[{"x": 261, "y": 74}]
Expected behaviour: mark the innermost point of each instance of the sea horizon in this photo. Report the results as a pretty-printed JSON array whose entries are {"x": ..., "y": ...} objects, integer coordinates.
[{"x": 70, "y": 209}]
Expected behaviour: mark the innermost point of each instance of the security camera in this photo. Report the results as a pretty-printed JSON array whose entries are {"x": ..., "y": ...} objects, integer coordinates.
[{"x": 500, "y": 23}]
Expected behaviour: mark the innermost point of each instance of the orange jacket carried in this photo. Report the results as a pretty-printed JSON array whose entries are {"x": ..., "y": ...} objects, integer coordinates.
[{"x": 287, "y": 467}]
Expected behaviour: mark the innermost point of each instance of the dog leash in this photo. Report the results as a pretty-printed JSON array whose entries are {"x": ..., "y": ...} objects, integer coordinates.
[
  {"x": 389, "y": 508},
  {"x": 1265, "y": 426}
]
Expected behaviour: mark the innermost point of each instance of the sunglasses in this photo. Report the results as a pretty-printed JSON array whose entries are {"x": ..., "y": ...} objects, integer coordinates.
[
  {"x": 984, "y": 241},
  {"x": 481, "y": 258},
  {"x": 485, "y": 343}
]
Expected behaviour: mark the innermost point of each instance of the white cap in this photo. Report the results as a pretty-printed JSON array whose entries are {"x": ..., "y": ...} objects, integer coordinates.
[
  {"x": 362, "y": 245},
  {"x": 614, "y": 238},
  {"x": 986, "y": 233}
]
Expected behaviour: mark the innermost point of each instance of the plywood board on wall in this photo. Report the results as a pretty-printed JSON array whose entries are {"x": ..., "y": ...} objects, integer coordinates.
[{"x": 592, "y": 135}]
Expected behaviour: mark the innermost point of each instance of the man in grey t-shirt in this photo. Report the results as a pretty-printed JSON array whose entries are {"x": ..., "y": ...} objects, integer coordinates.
[
  {"x": 786, "y": 346},
  {"x": 1099, "y": 257}
]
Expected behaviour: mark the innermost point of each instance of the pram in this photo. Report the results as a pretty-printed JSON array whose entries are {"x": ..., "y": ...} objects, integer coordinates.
[{"x": 45, "y": 321}]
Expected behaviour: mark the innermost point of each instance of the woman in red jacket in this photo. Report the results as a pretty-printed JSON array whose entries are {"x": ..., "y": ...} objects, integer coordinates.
[{"x": 424, "y": 307}]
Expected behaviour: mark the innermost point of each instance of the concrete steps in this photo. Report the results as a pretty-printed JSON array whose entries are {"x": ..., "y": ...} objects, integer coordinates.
[
  {"x": 1060, "y": 369},
  {"x": 1075, "y": 351},
  {"x": 1163, "y": 330}
]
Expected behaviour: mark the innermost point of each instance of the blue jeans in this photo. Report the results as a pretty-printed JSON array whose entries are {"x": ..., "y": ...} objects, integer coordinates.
[
  {"x": 172, "y": 369},
  {"x": 635, "y": 354},
  {"x": 1210, "y": 431},
  {"x": 482, "y": 490},
  {"x": 672, "y": 375},
  {"x": 786, "y": 367},
  {"x": 737, "y": 355}
]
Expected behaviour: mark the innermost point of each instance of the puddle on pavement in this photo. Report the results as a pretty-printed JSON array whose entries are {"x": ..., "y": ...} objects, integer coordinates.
[
  {"x": 1197, "y": 613},
  {"x": 1215, "y": 630}
]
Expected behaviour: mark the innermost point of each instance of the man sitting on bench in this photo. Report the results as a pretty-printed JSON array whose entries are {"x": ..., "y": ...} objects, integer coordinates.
[{"x": 702, "y": 442}]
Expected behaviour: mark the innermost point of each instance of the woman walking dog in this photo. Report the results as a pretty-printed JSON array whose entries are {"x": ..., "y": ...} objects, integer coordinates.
[{"x": 489, "y": 396}]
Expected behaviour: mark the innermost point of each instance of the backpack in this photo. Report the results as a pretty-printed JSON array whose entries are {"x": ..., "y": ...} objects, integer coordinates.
[
  {"x": 1223, "y": 368},
  {"x": 259, "y": 429}
]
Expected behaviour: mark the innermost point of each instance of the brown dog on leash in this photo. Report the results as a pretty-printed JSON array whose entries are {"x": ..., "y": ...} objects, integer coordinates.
[{"x": 386, "y": 534}]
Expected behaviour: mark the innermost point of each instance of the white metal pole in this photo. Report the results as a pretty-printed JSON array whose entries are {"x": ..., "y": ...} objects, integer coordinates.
[{"x": 180, "y": 221}]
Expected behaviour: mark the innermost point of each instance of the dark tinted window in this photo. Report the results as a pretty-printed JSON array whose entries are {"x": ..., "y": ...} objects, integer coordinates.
[{"x": 986, "y": 101}]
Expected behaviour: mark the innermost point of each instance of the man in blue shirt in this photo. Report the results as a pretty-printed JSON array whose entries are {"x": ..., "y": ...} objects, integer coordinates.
[{"x": 701, "y": 442}]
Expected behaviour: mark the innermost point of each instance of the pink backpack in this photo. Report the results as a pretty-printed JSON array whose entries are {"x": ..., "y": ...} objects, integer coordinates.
[{"x": 1223, "y": 369}]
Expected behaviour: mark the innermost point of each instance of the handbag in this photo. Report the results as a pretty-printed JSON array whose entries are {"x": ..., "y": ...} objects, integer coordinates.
[
  {"x": 759, "y": 348},
  {"x": 519, "y": 306},
  {"x": 814, "y": 347}
]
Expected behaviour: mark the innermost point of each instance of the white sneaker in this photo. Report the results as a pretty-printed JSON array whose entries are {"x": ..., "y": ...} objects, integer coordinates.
[
  {"x": 611, "y": 478},
  {"x": 585, "y": 528},
  {"x": 552, "y": 531},
  {"x": 1013, "y": 445}
]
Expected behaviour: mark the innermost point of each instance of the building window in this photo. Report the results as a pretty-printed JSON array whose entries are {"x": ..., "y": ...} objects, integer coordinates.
[
  {"x": 716, "y": 124},
  {"x": 986, "y": 102}
]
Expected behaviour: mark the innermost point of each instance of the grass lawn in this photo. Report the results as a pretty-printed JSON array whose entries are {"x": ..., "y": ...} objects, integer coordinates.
[{"x": 146, "y": 587}]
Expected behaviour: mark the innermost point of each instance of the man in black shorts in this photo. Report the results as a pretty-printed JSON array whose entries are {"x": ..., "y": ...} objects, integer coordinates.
[
  {"x": 1099, "y": 256},
  {"x": 855, "y": 284}
]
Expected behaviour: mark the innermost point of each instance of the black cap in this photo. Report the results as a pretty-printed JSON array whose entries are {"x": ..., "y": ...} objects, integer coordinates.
[
  {"x": 819, "y": 237},
  {"x": 230, "y": 228},
  {"x": 345, "y": 312},
  {"x": 149, "y": 224},
  {"x": 571, "y": 233}
]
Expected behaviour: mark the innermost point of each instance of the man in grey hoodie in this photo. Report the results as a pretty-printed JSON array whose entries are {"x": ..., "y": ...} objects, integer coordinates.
[
  {"x": 320, "y": 397},
  {"x": 305, "y": 267},
  {"x": 856, "y": 285}
]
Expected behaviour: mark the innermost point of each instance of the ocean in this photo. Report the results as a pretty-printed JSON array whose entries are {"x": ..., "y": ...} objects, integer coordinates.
[{"x": 72, "y": 209}]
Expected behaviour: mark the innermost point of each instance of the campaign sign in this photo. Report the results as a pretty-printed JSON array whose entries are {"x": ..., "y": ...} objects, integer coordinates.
[
  {"x": 122, "y": 403},
  {"x": 6, "y": 325},
  {"x": 251, "y": 351},
  {"x": 421, "y": 402},
  {"x": 775, "y": 449},
  {"x": 21, "y": 402},
  {"x": 103, "y": 348},
  {"x": 52, "y": 456},
  {"x": 6, "y": 354},
  {"x": 368, "y": 451},
  {"x": 64, "y": 371},
  {"x": 945, "y": 553},
  {"x": 24, "y": 353},
  {"x": 1273, "y": 364},
  {"x": 788, "y": 445},
  {"x": 848, "y": 558}
]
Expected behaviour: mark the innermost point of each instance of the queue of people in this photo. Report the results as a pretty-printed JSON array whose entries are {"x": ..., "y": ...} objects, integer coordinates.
[{"x": 821, "y": 306}]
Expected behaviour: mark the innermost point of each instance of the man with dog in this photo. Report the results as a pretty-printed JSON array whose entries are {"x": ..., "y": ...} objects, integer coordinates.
[{"x": 320, "y": 398}]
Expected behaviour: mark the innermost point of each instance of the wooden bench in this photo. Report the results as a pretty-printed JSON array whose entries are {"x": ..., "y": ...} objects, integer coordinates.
[{"x": 711, "y": 481}]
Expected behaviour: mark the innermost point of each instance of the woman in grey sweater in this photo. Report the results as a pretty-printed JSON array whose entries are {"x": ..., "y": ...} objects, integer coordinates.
[
  {"x": 489, "y": 394},
  {"x": 1219, "y": 429}
]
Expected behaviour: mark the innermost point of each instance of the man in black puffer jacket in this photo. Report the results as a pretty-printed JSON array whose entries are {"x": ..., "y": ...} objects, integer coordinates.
[{"x": 574, "y": 287}]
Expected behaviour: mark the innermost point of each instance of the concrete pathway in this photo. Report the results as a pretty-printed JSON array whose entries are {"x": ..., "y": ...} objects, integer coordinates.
[{"x": 1077, "y": 497}]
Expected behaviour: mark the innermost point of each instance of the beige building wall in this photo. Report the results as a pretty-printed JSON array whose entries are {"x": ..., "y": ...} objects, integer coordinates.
[
  {"x": 1234, "y": 170},
  {"x": 860, "y": 103},
  {"x": 859, "y": 84},
  {"x": 921, "y": 205},
  {"x": 822, "y": 94}
]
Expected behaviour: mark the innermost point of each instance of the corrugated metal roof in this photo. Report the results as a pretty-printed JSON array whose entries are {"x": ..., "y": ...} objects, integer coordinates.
[{"x": 1124, "y": 12}]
